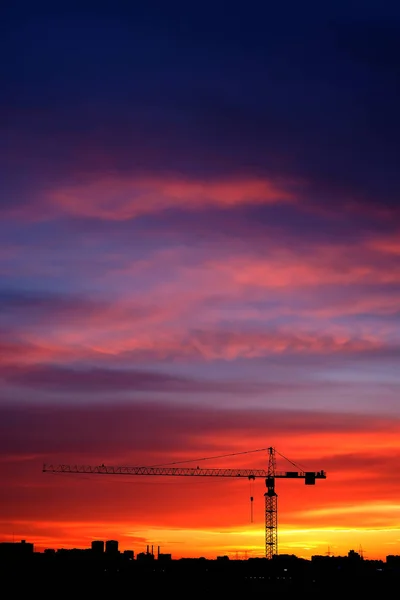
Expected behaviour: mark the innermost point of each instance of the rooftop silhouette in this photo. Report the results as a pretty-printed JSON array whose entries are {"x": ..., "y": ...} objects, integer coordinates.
[{"x": 103, "y": 566}]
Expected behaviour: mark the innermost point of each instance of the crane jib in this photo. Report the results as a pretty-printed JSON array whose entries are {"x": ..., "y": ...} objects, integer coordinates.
[{"x": 308, "y": 476}]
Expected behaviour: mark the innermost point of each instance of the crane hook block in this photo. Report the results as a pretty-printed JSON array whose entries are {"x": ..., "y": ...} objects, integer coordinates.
[{"x": 309, "y": 478}]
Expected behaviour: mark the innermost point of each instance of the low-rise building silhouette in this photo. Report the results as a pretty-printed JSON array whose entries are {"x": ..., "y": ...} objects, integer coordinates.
[{"x": 122, "y": 573}]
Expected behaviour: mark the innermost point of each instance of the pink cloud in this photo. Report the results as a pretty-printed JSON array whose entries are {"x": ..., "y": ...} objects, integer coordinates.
[
  {"x": 158, "y": 322},
  {"x": 288, "y": 268},
  {"x": 200, "y": 344},
  {"x": 388, "y": 245},
  {"x": 30, "y": 351},
  {"x": 116, "y": 198}
]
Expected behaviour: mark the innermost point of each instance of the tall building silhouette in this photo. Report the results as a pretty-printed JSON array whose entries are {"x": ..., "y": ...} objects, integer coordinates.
[
  {"x": 111, "y": 547},
  {"x": 98, "y": 547}
]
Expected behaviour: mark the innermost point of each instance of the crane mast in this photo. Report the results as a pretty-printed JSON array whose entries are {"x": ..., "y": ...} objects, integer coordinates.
[
  {"x": 271, "y": 508},
  {"x": 269, "y": 474}
]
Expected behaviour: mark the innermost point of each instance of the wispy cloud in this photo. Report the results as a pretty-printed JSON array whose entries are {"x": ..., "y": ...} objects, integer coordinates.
[{"x": 116, "y": 198}]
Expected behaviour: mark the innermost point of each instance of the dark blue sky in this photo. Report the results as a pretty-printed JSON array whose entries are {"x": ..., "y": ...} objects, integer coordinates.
[{"x": 290, "y": 90}]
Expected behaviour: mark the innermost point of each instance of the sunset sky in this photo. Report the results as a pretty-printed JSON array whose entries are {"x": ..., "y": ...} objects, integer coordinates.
[{"x": 200, "y": 257}]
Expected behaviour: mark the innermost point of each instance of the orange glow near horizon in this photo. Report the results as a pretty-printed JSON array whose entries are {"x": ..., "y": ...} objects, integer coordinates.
[
  {"x": 248, "y": 540},
  {"x": 213, "y": 516}
]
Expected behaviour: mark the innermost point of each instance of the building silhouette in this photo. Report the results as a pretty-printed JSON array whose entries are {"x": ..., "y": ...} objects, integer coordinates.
[
  {"x": 112, "y": 548},
  {"x": 98, "y": 547},
  {"x": 103, "y": 569}
]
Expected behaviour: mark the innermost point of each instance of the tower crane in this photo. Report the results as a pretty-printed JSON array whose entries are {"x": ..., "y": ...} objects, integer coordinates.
[{"x": 271, "y": 497}]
